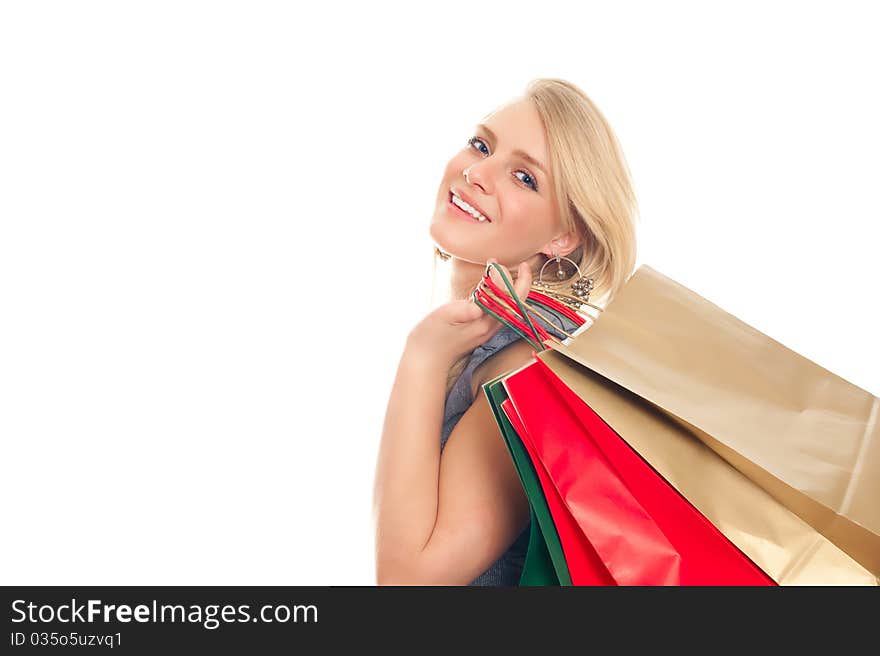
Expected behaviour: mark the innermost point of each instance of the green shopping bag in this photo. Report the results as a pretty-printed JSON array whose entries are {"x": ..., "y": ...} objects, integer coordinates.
[{"x": 545, "y": 561}]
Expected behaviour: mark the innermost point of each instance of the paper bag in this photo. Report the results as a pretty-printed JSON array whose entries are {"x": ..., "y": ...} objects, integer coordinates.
[{"x": 804, "y": 436}]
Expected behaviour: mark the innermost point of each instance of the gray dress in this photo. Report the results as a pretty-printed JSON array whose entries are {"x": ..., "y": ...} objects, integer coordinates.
[{"x": 507, "y": 569}]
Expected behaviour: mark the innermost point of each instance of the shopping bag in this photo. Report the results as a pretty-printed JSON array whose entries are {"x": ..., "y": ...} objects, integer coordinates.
[
  {"x": 785, "y": 547},
  {"x": 807, "y": 438},
  {"x": 789, "y": 550},
  {"x": 545, "y": 562},
  {"x": 583, "y": 562},
  {"x": 643, "y": 532}
]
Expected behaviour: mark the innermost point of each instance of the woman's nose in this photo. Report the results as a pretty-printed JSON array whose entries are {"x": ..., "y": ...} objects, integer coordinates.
[{"x": 476, "y": 176}]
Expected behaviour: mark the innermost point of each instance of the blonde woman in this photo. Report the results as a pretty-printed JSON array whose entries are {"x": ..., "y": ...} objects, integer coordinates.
[{"x": 542, "y": 176}]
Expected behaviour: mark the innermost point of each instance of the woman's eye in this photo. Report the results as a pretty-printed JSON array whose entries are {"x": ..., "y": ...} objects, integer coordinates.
[
  {"x": 529, "y": 180},
  {"x": 473, "y": 140}
]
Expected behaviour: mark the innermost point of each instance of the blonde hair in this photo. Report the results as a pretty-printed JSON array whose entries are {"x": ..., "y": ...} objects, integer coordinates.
[{"x": 594, "y": 190}]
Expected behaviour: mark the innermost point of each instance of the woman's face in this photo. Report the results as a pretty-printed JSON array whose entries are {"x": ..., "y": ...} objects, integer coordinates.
[{"x": 513, "y": 193}]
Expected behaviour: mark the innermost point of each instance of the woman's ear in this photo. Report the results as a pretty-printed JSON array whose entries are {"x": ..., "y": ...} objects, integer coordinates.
[{"x": 562, "y": 245}]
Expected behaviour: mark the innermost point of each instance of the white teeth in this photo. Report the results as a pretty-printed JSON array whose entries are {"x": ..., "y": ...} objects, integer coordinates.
[{"x": 467, "y": 208}]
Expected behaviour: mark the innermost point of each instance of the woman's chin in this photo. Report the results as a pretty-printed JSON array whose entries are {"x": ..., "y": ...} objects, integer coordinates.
[{"x": 450, "y": 243}]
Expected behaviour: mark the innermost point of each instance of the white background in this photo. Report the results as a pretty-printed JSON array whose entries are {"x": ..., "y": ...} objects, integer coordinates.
[{"x": 214, "y": 240}]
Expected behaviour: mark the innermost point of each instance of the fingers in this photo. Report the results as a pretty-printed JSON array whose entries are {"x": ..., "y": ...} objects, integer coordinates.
[
  {"x": 482, "y": 324},
  {"x": 463, "y": 312},
  {"x": 523, "y": 282},
  {"x": 522, "y": 286},
  {"x": 496, "y": 277},
  {"x": 493, "y": 272}
]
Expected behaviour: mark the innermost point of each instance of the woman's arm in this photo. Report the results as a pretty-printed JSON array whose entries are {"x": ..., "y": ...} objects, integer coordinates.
[
  {"x": 405, "y": 488},
  {"x": 444, "y": 520}
]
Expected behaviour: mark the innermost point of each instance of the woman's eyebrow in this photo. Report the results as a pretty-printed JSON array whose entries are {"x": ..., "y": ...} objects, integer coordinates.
[{"x": 519, "y": 152}]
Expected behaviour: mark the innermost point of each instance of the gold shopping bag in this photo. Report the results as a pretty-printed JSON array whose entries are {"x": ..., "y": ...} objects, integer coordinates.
[{"x": 780, "y": 454}]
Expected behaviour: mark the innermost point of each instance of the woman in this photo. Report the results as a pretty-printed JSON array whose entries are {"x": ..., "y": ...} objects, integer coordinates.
[{"x": 542, "y": 176}]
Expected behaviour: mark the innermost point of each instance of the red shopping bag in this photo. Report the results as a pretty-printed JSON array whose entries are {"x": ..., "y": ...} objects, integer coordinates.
[
  {"x": 584, "y": 565},
  {"x": 618, "y": 520}
]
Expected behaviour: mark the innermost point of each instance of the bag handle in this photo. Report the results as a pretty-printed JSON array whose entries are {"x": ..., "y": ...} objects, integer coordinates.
[
  {"x": 507, "y": 300},
  {"x": 540, "y": 300},
  {"x": 534, "y": 334},
  {"x": 492, "y": 308}
]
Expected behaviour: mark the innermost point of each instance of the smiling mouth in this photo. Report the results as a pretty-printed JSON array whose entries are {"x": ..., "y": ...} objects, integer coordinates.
[{"x": 464, "y": 212}]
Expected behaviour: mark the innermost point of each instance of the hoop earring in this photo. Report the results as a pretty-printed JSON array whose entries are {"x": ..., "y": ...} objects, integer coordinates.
[{"x": 580, "y": 288}]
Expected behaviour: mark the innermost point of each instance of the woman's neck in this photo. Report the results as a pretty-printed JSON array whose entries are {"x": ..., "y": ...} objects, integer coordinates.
[{"x": 464, "y": 276}]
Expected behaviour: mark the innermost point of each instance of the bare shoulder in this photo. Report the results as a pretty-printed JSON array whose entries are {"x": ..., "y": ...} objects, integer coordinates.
[{"x": 511, "y": 357}]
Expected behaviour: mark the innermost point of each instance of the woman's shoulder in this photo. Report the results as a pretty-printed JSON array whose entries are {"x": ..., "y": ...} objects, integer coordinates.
[{"x": 511, "y": 356}]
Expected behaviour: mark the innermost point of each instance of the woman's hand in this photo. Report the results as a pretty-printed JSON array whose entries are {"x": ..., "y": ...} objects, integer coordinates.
[{"x": 458, "y": 327}]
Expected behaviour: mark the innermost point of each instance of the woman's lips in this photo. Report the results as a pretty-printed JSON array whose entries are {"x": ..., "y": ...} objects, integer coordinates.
[{"x": 457, "y": 211}]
